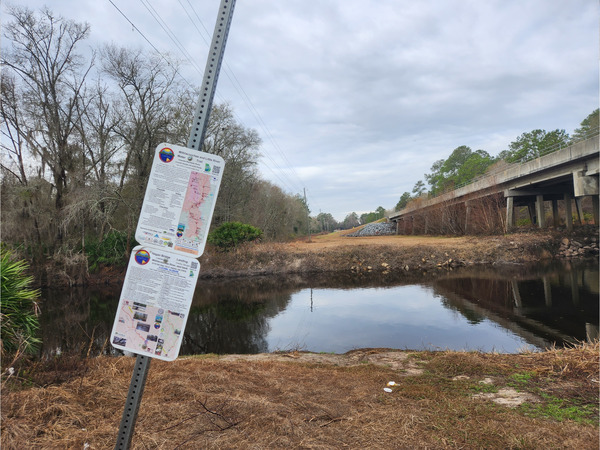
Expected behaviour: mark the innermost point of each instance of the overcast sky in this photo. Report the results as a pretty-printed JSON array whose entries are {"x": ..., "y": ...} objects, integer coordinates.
[{"x": 356, "y": 99}]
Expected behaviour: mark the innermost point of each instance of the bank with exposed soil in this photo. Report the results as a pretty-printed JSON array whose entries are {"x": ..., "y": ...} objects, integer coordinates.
[
  {"x": 336, "y": 252},
  {"x": 393, "y": 254}
]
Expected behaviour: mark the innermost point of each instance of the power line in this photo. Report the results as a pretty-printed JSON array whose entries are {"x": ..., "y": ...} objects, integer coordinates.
[
  {"x": 245, "y": 98},
  {"x": 233, "y": 79},
  {"x": 151, "y": 44},
  {"x": 169, "y": 33}
]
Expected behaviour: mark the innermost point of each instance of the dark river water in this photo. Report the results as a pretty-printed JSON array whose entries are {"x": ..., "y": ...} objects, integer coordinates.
[{"x": 486, "y": 308}]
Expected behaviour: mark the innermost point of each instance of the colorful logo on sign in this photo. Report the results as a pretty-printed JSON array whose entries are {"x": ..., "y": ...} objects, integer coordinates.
[
  {"x": 166, "y": 155},
  {"x": 142, "y": 257},
  {"x": 207, "y": 167}
]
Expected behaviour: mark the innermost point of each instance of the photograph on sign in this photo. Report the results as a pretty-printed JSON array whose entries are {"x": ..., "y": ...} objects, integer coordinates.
[
  {"x": 180, "y": 199},
  {"x": 155, "y": 303}
]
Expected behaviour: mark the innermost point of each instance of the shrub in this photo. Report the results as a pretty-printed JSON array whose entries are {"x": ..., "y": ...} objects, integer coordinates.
[
  {"x": 232, "y": 234},
  {"x": 111, "y": 251},
  {"x": 19, "y": 308}
]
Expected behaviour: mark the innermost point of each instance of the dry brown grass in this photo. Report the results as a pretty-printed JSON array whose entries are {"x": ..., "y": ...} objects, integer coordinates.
[
  {"x": 336, "y": 253},
  {"x": 295, "y": 401}
]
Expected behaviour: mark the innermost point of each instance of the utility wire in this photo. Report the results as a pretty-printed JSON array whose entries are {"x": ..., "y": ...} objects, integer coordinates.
[
  {"x": 151, "y": 44},
  {"x": 246, "y": 98},
  {"x": 236, "y": 84},
  {"x": 170, "y": 33}
]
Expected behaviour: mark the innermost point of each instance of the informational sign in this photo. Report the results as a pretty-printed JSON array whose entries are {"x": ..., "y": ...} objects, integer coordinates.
[
  {"x": 180, "y": 199},
  {"x": 155, "y": 302}
]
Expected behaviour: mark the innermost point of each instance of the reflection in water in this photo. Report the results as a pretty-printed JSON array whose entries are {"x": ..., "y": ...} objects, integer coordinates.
[
  {"x": 484, "y": 309},
  {"x": 557, "y": 303}
]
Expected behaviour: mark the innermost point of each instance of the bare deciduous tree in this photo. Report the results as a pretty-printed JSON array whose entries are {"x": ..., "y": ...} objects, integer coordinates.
[
  {"x": 238, "y": 146},
  {"x": 43, "y": 56}
]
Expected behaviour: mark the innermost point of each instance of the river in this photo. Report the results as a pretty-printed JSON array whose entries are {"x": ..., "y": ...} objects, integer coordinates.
[{"x": 506, "y": 309}]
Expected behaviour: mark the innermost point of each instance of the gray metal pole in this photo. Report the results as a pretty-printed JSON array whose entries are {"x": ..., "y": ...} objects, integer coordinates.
[
  {"x": 132, "y": 405},
  {"x": 209, "y": 84},
  {"x": 211, "y": 74}
]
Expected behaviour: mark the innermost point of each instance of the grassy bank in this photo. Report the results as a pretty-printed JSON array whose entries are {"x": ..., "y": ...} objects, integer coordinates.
[{"x": 305, "y": 400}]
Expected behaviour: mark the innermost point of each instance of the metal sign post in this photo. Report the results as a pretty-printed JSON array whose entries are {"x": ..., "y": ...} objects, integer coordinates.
[
  {"x": 134, "y": 398},
  {"x": 196, "y": 139},
  {"x": 211, "y": 74}
]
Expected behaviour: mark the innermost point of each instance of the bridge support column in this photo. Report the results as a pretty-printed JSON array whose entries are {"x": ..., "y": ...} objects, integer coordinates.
[
  {"x": 555, "y": 218},
  {"x": 539, "y": 211},
  {"x": 467, "y": 213},
  {"x": 531, "y": 212},
  {"x": 568, "y": 211},
  {"x": 510, "y": 213},
  {"x": 516, "y": 294},
  {"x": 574, "y": 287},
  {"x": 579, "y": 209},
  {"x": 595, "y": 205}
]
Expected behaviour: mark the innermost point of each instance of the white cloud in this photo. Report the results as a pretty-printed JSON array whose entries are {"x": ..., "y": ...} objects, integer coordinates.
[{"x": 363, "y": 96}]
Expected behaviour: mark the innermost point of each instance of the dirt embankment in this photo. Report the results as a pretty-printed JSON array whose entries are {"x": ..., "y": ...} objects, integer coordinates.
[
  {"x": 335, "y": 252},
  {"x": 412, "y": 255}
]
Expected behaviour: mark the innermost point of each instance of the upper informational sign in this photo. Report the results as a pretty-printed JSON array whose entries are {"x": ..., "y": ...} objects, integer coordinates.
[
  {"x": 155, "y": 303},
  {"x": 180, "y": 199}
]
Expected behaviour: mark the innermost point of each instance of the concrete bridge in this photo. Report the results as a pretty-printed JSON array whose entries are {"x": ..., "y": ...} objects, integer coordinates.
[{"x": 565, "y": 175}]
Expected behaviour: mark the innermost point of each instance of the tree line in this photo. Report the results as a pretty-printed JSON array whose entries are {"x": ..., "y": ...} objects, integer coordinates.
[
  {"x": 79, "y": 129},
  {"x": 325, "y": 222},
  {"x": 465, "y": 165}
]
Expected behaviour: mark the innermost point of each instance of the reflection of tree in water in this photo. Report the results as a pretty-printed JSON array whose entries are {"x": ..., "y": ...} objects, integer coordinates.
[
  {"x": 232, "y": 318},
  {"x": 75, "y": 320}
]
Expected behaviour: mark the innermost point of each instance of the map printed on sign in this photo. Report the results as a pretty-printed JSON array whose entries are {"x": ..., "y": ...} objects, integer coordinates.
[
  {"x": 180, "y": 199},
  {"x": 155, "y": 303}
]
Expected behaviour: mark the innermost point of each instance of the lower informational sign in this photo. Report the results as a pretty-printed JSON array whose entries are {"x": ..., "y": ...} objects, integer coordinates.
[{"x": 155, "y": 303}]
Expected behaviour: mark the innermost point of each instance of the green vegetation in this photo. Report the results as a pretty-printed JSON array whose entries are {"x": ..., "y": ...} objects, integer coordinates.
[
  {"x": 462, "y": 166},
  {"x": 379, "y": 213},
  {"x": 588, "y": 127},
  {"x": 231, "y": 234},
  {"x": 561, "y": 409},
  {"x": 534, "y": 144},
  {"x": 520, "y": 378},
  {"x": 19, "y": 316},
  {"x": 112, "y": 250}
]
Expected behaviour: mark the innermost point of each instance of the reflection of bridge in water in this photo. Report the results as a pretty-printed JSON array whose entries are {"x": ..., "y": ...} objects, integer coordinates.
[
  {"x": 566, "y": 175},
  {"x": 552, "y": 307}
]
